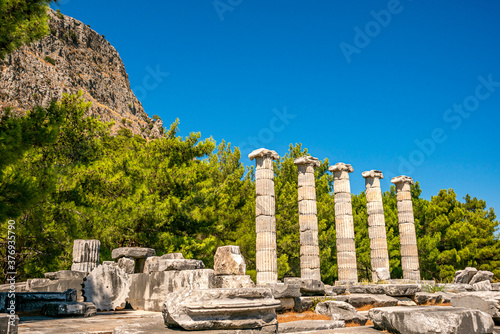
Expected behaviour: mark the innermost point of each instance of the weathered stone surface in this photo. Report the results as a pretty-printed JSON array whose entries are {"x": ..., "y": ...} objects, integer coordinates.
[
  {"x": 381, "y": 274},
  {"x": 220, "y": 309},
  {"x": 107, "y": 287},
  {"x": 149, "y": 291},
  {"x": 69, "y": 309},
  {"x": 85, "y": 267},
  {"x": 362, "y": 300},
  {"x": 127, "y": 264},
  {"x": 34, "y": 301},
  {"x": 455, "y": 287},
  {"x": 65, "y": 274},
  {"x": 156, "y": 263},
  {"x": 405, "y": 301},
  {"x": 86, "y": 251},
  {"x": 329, "y": 290},
  {"x": 233, "y": 282},
  {"x": 305, "y": 326},
  {"x": 427, "y": 298},
  {"x": 109, "y": 263},
  {"x": 486, "y": 301},
  {"x": 494, "y": 287},
  {"x": 262, "y": 152},
  {"x": 9, "y": 324},
  {"x": 464, "y": 276},
  {"x": 172, "y": 256},
  {"x": 304, "y": 303},
  {"x": 338, "y": 310},
  {"x": 392, "y": 290},
  {"x": 481, "y": 275},
  {"x": 287, "y": 304},
  {"x": 308, "y": 287},
  {"x": 133, "y": 252},
  {"x": 17, "y": 287},
  {"x": 431, "y": 319},
  {"x": 482, "y": 286},
  {"x": 229, "y": 261},
  {"x": 60, "y": 285},
  {"x": 284, "y": 290}
]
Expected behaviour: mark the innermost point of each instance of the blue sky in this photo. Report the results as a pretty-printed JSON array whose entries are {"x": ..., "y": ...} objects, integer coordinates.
[{"x": 406, "y": 87}]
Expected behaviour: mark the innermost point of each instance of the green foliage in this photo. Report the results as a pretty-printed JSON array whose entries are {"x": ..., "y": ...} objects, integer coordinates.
[
  {"x": 432, "y": 288},
  {"x": 59, "y": 14},
  {"x": 64, "y": 177},
  {"x": 22, "y": 22},
  {"x": 317, "y": 300},
  {"x": 50, "y": 60}
]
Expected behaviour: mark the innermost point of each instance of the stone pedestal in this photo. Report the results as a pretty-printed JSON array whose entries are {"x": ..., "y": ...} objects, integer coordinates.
[
  {"x": 265, "y": 224},
  {"x": 85, "y": 255},
  {"x": 344, "y": 223},
  {"x": 407, "y": 234},
  {"x": 376, "y": 226},
  {"x": 308, "y": 220}
]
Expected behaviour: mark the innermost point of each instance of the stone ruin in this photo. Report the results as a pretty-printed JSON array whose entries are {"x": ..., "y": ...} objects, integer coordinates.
[{"x": 192, "y": 297}]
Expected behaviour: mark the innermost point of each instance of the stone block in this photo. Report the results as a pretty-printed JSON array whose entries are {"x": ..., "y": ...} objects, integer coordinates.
[
  {"x": 85, "y": 267},
  {"x": 149, "y": 291},
  {"x": 304, "y": 303},
  {"x": 338, "y": 310},
  {"x": 65, "y": 274},
  {"x": 156, "y": 263},
  {"x": 284, "y": 290},
  {"x": 481, "y": 286},
  {"x": 426, "y": 298},
  {"x": 69, "y": 309},
  {"x": 405, "y": 301},
  {"x": 107, "y": 287},
  {"x": 486, "y": 301},
  {"x": 86, "y": 251},
  {"x": 60, "y": 285},
  {"x": 309, "y": 326},
  {"x": 229, "y": 261},
  {"x": 480, "y": 276},
  {"x": 464, "y": 276},
  {"x": 172, "y": 256},
  {"x": 127, "y": 264},
  {"x": 9, "y": 324},
  {"x": 287, "y": 304},
  {"x": 226, "y": 309},
  {"x": 133, "y": 252},
  {"x": 364, "y": 300},
  {"x": 34, "y": 301},
  {"x": 233, "y": 282},
  {"x": 431, "y": 319},
  {"x": 308, "y": 287}
]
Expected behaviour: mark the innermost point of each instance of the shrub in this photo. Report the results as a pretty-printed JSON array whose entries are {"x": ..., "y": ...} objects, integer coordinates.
[
  {"x": 59, "y": 14},
  {"x": 50, "y": 60}
]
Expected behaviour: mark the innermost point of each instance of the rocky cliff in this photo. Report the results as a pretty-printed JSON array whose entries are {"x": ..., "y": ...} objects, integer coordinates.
[{"x": 72, "y": 58}]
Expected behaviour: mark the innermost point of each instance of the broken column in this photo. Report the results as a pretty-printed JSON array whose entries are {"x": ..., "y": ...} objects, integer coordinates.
[
  {"x": 230, "y": 269},
  {"x": 407, "y": 234},
  {"x": 376, "y": 226},
  {"x": 85, "y": 255},
  {"x": 265, "y": 221},
  {"x": 308, "y": 220},
  {"x": 344, "y": 223}
]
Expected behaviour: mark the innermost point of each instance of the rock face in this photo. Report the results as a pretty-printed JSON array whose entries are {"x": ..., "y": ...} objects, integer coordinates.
[
  {"x": 481, "y": 276},
  {"x": 149, "y": 291},
  {"x": 74, "y": 57},
  {"x": 464, "y": 276},
  {"x": 229, "y": 261},
  {"x": 431, "y": 319},
  {"x": 221, "y": 309},
  {"x": 107, "y": 287},
  {"x": 338, "y": 310}
]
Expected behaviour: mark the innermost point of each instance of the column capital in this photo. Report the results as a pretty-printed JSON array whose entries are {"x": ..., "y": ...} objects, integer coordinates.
[
  {"x": 307, "y": 160},
  {"x": 263, "y": 153},
  {"x": 402, "y": 179},
  {"x": 373, "y": 173},
  {"x": 341, "y": 167}
]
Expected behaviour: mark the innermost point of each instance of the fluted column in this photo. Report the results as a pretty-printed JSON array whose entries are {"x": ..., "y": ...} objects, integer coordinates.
[
  {"x": 85, "y": 255},
  {"x": 344, "y": 223},
  {"x": 407, "y": 234},
  {"x": 376, "y": 226},
  {"x": 308, "y": 220},
  {"x": 265, "y": 221}
]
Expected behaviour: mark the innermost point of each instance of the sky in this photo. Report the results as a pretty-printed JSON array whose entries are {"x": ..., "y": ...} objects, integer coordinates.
[{"x": 406, "y": 87}]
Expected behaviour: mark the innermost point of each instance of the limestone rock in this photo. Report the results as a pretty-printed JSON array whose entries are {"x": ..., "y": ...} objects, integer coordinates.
[
  {"x": 86, "y": 251},
  {"x": 287, "y": 304},
  {"x": 393, "y": 290},
  {"x": 455, "y": 287},
  {"x": 107, "y": 287},
  {"x": 481, "y": 286},
  {"x": 210, "y": 309},
  {"x": 233, "y": 282},
  {"x": 402, "y": 179},
  {"x": 382, "y": 274},
  {"x": 373, "y": 173},
  {"x": 9, "y": 323},
  {"x": 149, "y": 291},
  {"x": 405, "y": 301},
  {"x": 133, "y": 252},
  {"x": 65, "y": 274},
  {"x": 173, "y": 256},
  {"x": 229, "y": 261},
  {"x": 486, "y": 301},
  {"x": 85, "y": 267},
  {"x": 304, "y": 303},
  {"x": 262, "y": 152},
  {"x": 464, "y": 276},
  {"x": 307, "y": 160},
  {"x": 60, "y": 285},
  {"x": 284, "y": 290},
  {"x": 495, "y": 286},
  {"x": 426, "y": 298},
  {"x": 127, "y": 264},
  {"x": 306, "y": 326},
  {"x": 156, "y": 263},
  {"x": 431, "y": 319},
  {"x": 69, "y": 309},
  {"x": 360, "y": 300},
  {"x": 341, "y": 167},
  {"x": 34, "y": 301},
  {"x": 308, "y": 287},
  {"x": 481, "y": 275},
  {"x": 338, "y": 310}
]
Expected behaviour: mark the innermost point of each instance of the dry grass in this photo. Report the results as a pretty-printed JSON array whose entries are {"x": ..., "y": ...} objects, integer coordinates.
[
  {"x": 294, "y": 316},
  {"x": 365, "y": 307},
  {"x": 352, "y": 324}
]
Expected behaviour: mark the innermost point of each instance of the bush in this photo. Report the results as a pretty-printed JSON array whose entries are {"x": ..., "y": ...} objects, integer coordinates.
[
  {"x": 49, "y": 59},
  {"x": 59, "y": 14}
]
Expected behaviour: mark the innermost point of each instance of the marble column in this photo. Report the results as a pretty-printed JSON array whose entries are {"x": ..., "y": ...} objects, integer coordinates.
[
  {"x": 85, "y": 255},
  {"x": 407, "y": 234},
  {"x": 308, "y": 220},
  {"x": 376, "y": 226},
  {"x": 344, "y": 223},
  {"x": 265, "y": 221}
]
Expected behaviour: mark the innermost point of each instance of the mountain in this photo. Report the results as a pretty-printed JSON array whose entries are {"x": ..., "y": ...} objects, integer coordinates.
[{"x": 72, "y": 58}]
